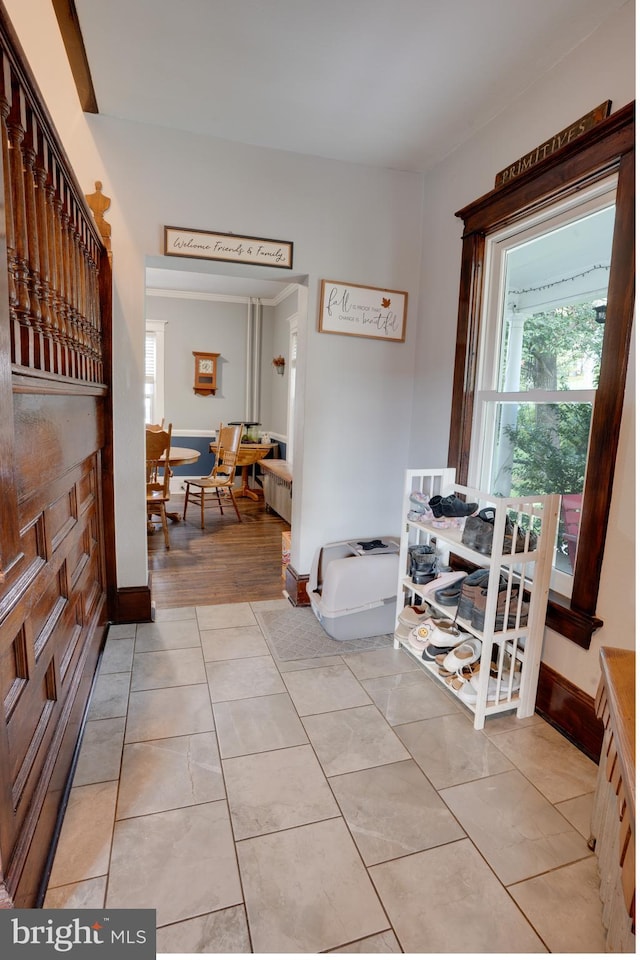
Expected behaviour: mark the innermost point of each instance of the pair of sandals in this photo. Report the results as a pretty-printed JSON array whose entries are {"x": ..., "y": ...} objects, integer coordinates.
[
  {"x": 466, "y": 681},
  {"x": 464, "y": 656}
]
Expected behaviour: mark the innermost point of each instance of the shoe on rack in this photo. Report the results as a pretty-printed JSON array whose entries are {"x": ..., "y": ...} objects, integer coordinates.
[
  {"x": 423, "y": 563},
  {"x": 401, "y": 632},
  {"x": 414, "y": 614},
  {"x": 463, "y": 655},
  {"x": 424, "y": 574},
  {"x": 418, "y": 637},
  {"x": 420, "y": 551},
  {"x": 506, "y": 606},
  {"x": 449, "y": 595},
  {"x": 435, "y": 654},
  {"x": 446, "y": 633},
  {"x": 442, "y": 654},
  {"x": 496, "y": 689},
  {"x": 478, "y": 532},
  {"x": 451, "y": 506},
  {"x": 513, "y": 620},
  {"x": 469, "y": 589},
  {"x": 453, "y": 681},
  {"x": 424, "y": 569}
]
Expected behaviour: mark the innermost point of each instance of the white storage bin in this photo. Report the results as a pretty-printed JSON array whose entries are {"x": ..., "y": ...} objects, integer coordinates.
[{"x": 353, "y": 595}]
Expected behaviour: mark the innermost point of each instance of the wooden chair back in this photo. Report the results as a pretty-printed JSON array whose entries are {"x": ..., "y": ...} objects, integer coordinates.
[
  {"x": 155, "y": 427},
  {"x": 158, "y": 443},
  {"x": 226, "y": 457}
]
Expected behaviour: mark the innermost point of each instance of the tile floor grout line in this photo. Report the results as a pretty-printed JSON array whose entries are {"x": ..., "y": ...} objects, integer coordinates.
[
  {"x": 115, "y": 807},
  {"x": 344, "y": 820},
  {"x": 228, "y": 806}
]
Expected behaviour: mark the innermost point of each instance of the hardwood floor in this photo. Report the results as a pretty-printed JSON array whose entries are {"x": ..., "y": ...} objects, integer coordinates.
[{"x": 227, "y": 562}]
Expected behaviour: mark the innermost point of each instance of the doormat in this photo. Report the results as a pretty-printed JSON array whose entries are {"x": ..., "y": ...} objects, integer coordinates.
[{"x": 295, "y": 634}]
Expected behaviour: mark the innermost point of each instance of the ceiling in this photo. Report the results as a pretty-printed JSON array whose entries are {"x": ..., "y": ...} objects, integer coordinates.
[{"x": 389, "y": 83}]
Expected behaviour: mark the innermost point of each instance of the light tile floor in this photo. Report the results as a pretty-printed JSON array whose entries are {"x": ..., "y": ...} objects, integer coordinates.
[{"x": 344, "y": 804}]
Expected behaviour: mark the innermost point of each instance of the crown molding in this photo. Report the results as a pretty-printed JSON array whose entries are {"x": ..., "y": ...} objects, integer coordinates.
[{"x": 221, "y": 297}]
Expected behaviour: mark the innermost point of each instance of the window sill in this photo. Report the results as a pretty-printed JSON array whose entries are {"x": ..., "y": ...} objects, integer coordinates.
[{"x": 576, "y": 626}]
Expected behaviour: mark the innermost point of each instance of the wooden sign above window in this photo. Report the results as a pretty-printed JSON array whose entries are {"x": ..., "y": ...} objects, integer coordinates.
[
  {"x": 555, "y": 143},
  {"x": 202, "y": 245}
]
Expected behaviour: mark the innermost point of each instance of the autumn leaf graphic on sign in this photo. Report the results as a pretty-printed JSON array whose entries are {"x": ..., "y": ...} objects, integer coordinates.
[{"x": 386, "y": 302}]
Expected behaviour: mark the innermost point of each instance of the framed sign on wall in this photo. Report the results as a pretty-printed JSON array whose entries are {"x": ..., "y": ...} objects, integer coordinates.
[
  {"x": 204, "y": 245},
  {"x": 355, "y": 310}
]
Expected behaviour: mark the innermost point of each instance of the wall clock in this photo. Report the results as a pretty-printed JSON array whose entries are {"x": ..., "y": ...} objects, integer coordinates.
[{"x": 204, "y": 380}]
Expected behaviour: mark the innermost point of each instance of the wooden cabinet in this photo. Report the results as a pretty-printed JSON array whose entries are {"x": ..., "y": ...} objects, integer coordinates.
[
  {"x": 205, "y": 373},
  {"x": 614, "y": 806}
]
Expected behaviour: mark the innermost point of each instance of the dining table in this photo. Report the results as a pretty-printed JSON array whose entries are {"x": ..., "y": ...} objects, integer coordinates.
[
  {"x": 180, "y": 455},
  {"x": 249, "y": 454},
  {"x": 177, "y": 457}
]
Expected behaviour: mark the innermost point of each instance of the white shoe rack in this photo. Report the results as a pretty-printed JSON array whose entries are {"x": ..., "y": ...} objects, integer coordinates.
[{"x": 516, "y": 650}]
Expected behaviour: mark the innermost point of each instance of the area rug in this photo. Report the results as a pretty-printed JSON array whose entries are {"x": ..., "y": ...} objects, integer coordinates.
[{"x": 293, "y": 633}]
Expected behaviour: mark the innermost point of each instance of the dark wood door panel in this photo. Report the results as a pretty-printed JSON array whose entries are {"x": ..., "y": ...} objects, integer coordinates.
[
  {"x": 49, "y": 612},
  {"x": 53, "y": 434}
]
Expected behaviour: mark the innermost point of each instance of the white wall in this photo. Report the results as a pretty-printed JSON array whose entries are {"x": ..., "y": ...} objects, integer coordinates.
[
  {"x": 208, "y": 326},
  {"x": 599, "y": 69},
  {"x": 283, "y": 315}
]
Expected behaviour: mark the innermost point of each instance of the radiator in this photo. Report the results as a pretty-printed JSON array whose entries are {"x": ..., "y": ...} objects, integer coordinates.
[{"x": 276, "y": 484}]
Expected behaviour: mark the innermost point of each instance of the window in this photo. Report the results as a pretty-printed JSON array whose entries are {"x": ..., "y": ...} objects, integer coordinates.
[
  {"x": 154, "y": 371},
  {"x": 540, "y": 354},
  {"x": 506, "y": 394}
]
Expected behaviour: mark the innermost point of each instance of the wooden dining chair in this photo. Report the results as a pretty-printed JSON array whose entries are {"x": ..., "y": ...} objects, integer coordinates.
[
  {"x": 157, "y": 444},
  {"x": 155, "y": 427},
  {"x": 217, "y": 488}
]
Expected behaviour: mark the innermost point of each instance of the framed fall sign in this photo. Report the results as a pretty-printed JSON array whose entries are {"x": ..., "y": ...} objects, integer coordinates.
[{"x": 355, "y": 310}]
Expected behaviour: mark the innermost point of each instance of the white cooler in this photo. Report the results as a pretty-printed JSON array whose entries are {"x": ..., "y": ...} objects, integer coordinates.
[{"x": 352, "y": 590}]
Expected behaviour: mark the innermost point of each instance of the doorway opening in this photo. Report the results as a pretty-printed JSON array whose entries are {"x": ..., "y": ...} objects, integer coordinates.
[{"x": 249, "y": 320}]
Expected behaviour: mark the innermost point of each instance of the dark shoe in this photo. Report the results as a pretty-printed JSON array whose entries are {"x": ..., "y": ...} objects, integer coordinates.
[
  {"x": 506, "y": 607},
  {"x": 424, "y": 569},
  {"x": 430, "y": 652},
  {"x": 423, "y": 563},
  {"x": 477, "y": 617},
  {"x": 478, "y": 533},
  {"x": 470, "y": 587},
  {"x": 451, "y": 506},
  {"x": 448, "y": 596},
  {"x": 514, "y": 533},
  {"x": 419, "y": 550}
]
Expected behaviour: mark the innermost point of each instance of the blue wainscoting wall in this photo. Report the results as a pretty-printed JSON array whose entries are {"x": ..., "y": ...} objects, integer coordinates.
[
  {"x": 204, "y": 465},
  {"x": 201, "y": 467}
]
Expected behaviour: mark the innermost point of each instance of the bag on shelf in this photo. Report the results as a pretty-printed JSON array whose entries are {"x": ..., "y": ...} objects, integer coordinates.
[{"x": 478, "y": 533}]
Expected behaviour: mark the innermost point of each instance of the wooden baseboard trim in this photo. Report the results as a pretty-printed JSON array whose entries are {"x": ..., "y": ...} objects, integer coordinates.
[
  {"x": 132, "y": 605},
  {"x": 570, "y": 710},
  {"x": 295, "y": 587}
]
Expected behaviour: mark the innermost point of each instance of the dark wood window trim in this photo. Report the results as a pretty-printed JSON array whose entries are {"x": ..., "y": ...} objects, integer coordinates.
[{"x": 605, "y": 149}]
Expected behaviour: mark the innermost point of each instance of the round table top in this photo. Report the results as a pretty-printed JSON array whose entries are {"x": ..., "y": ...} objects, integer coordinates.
[
  {"x": 181, "y": 455},
  {"x": 249, "y": 452}
]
